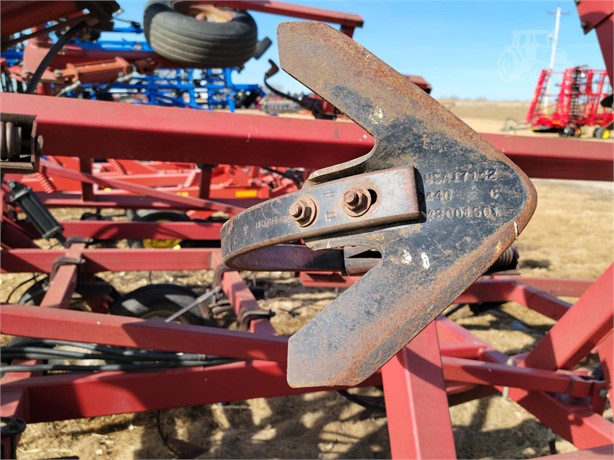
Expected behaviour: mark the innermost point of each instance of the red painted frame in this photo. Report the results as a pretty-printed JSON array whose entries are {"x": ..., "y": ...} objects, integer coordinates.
[
  {"x": 543, "y": 381},
  {"x": 467, "y": 364},
  {"x": 155, "y": 133},
  {"x": 468, "y": 367},
  {"x": 599, "y": 15},
  {"x": 219, "y": 182}
]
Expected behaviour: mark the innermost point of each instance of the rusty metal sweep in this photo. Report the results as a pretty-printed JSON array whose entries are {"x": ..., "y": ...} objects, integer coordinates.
[{"x": 430, "y": 208}]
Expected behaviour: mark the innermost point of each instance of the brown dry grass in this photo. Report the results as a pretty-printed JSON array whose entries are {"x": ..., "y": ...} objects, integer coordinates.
[{"x": 571, "y": 235}]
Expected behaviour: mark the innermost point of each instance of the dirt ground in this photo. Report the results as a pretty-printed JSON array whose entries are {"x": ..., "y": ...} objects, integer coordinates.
[{"x": 571, "y": 236}]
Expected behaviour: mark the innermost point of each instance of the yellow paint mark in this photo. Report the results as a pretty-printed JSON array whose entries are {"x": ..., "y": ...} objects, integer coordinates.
[{"x": 246, "y": 194}]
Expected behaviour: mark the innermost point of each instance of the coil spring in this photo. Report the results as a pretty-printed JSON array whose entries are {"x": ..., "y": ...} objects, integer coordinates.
[
  {"x": 53, "y": 160},
  {"x": 506, "y": 261},
  {"x": 10, "y": 141},
  {"x": 45, "y": 182},
  {"x": 117, "y": 167}
]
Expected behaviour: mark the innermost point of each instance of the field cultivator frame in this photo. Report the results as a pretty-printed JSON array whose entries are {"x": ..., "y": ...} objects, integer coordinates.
[
  {"x": 71, "y": 182},
  {"x": 444, "y": 365},
  {"x": 577, "y": 103}
]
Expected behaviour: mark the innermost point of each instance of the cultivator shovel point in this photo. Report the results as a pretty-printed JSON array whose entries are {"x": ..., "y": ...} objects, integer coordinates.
[{"x": 424, "y": 214}]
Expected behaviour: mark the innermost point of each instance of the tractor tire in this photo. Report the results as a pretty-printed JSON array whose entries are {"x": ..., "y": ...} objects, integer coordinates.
[
  {"x": 571, "y": 131},
  {"x": 602, "y": 132},
  {"x": 200, "y": 43},
  {"x": 159, "y": 301},
  {"x": 34, "y": 294}
]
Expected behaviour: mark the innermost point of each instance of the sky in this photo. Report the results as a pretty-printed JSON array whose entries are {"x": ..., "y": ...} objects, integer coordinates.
[{"x": 465, "y": 49}]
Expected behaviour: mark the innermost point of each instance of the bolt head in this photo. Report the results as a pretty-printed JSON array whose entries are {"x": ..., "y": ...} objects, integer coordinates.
[
  {"x": 296, "y": 210},
  {"x": 356, "y": 202},
  {"x": 303, "y": 211},
  {"x": 350, "y": 197}
]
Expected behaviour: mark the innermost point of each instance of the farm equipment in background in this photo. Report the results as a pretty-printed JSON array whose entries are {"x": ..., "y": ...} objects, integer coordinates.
[
  {"x": 319, "y": 107},
  {"x": 582, "y": 100},
  {"x": 127, "y": 71}
]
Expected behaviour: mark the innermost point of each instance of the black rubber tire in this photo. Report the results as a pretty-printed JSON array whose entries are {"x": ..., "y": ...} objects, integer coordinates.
[
  {"x": 186, "y": 40},
  {"x": 34, "y": 294},
  {"x": 159, "y": 301}
]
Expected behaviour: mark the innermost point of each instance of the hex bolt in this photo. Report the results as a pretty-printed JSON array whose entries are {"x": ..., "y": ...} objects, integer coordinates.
[
  {"x": 303, "y": 211},
  {"x": 296, "y": 209},
  {"x": 351, "y": 198},
  {"x": 356, "y": 202}
]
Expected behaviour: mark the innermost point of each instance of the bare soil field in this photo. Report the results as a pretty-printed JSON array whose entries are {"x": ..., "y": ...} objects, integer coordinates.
[{"x": 570, "y": 236}]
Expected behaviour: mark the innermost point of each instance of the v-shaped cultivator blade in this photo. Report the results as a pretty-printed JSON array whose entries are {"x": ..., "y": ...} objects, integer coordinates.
[{"x": 430, "y": 209}]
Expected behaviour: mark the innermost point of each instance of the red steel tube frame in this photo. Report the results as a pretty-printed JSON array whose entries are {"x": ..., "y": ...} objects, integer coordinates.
[
  {"x": 161, "y": 133},
  {"x": 347, "y": 21},
  {"x": 134, "y": 332},
  {"x": 16, "y": 239},
  {"x": 99, "y": 260},
  {"x": 192, "y": 202},
  {"x": 21, "y": 15},
  {"x": 74, "y": 185},
  {"x": 599, "y": 15},
  {"x": 464, "y": 363},
  {"x": 75, "y": 395},
  {"x": 104, "y": 230},
  {"x": 63, "y": 279},
  {"x": 468, "y": 362},
  {"x": 221, "y": 182},
  {"x": 414, "y": 373},
  {"x": 568, "y": 353}
]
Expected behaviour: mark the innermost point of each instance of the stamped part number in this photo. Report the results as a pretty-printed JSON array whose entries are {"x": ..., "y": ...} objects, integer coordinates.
[
  {"x": 464, "y": 212},
  {"x": 460, "y": 176},
  {"x": 444, "y": 203},
  {"x": 439, "y": 195}
]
